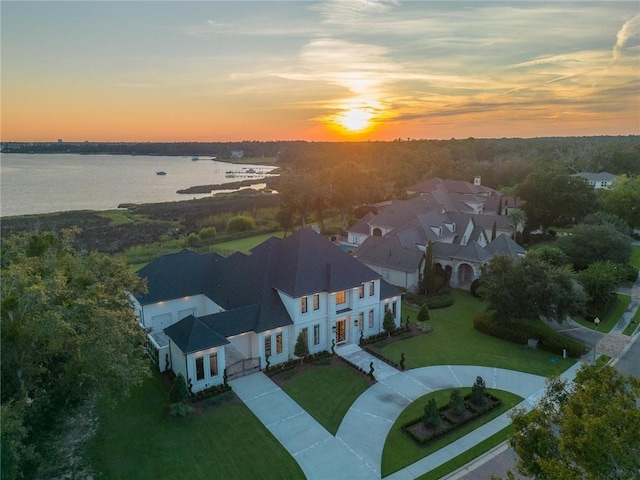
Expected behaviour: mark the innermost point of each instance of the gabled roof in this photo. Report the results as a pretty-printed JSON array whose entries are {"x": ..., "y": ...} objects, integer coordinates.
[
  {"x": 504, "y": 244},
  {"x": 307, "y": 263},
  {"x": 177, "y": 275},
  {"x": 389, "y": 252},
  {"x": 596, "y": 177},
  {"x": 451, "y": 186},
  {"x": 246, "y": 286},
  {"x": 191, "y": 334}
]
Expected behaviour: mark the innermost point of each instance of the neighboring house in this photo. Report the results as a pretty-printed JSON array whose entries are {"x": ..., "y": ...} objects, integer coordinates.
[
  {"x": 597, "y": 180},
  {"x": 392, "y": 241},
  {"x": 206, "y": 313}
]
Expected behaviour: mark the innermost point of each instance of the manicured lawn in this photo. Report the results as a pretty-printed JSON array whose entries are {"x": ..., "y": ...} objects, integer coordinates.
[
  {"x": 613, "y": 315},
  {"x": 244, "y": 245},
  {"x": 635, "y": 256},
  {"x": 454, "y": 341},
  {"x": 326, "y": 393},
  {"x": 137, "y": 440},
  {"x": 401, "y": 451}
]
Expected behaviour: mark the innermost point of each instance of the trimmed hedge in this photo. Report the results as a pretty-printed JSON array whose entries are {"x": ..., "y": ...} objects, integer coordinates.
[
  {"x": 433, "y": 302},
  {"x": 477, "y": 413},
  {"x": 289, "y": 364},
  {"x": 518, "y": 333},
  {"x": 210, "y": 392}
]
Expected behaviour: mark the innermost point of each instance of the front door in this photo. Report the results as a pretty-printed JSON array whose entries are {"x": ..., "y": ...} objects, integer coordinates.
[{"x": 341, "y": 336}]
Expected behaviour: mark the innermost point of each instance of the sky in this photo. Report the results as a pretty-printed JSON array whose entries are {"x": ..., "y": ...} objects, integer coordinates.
[{"x": 343, "y": 70}]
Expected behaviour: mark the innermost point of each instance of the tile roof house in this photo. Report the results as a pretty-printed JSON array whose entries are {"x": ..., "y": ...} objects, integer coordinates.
[
  {"x": 392, "y": 239},
  {"x": 205, "y": 313}
]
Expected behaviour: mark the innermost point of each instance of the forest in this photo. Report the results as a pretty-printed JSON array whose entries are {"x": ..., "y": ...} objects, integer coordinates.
[{"x": 326, "y": 183}]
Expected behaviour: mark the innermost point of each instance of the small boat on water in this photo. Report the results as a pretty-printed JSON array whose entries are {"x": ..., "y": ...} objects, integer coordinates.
[
  {"x": 160, "y": 172},
  {"x": 195, "y": 159}
]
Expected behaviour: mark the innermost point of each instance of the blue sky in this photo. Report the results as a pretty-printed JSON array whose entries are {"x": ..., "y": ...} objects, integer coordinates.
[{"x": 333, "y": 70}]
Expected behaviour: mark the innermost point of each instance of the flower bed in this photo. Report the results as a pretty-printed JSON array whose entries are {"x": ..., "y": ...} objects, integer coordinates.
[{"x": 449, "y": 420}]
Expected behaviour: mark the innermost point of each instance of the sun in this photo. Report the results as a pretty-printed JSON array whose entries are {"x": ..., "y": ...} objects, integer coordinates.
[{"x": 354, "y": 119}]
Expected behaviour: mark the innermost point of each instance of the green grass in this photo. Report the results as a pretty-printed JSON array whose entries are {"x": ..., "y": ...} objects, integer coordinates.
[
  {"x": 401, "y": 451},
  {"x": 615, "y": 311},
  {"x": 631, "y": 328},
  {"x": 244, "y": 245},
  {"x": 137, "y": 440},
  {"x": 454, "y": 341},
  {"x": 326, "y": 393},
  {"x": 471, "y": 454},
  {"x": 635, "y": 256}
]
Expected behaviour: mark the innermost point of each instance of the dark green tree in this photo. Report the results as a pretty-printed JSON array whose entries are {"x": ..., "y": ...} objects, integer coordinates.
[
  {"x": 179, "y": 390},
  {"x": 585, "y": 430},
  {"x": 69, "y": 334},
  {"x": 494, "y": 230},
  {"x": 423, "y": 313},
  {"x": 554, "y": 198},
  {"x": 550, "y": 254},
  {"x": 478, "y": 392},
  {"x": 456, "y": 402},
  {"x": 388, "y": 323},
  {"x": 528, "y": 288},
  {"x": 241, "y": 223},
  {"x": 301, "y": 348},
  {"x": 623, "y": 199},
  {"x": 590, "y": 243},
  {"x": 431, "y": 416},
  {"x": 428, "y": 280},
  {"x": 600, "y": 280}
]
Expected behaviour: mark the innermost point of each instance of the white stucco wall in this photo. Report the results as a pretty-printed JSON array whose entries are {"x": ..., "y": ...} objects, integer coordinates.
[
  {"x": 198, "y": 304},
  {"x": 208, "y": 380}
]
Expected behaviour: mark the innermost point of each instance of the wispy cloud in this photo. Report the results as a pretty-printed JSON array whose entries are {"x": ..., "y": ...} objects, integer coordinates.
[{"x": 631, "y": 28}]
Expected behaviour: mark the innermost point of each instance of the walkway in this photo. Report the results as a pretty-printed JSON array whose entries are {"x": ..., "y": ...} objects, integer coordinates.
[{"x": 356, "y": 450}]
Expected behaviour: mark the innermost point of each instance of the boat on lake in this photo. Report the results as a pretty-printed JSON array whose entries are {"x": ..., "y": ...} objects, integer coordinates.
[{"x": 160, "y": 172}]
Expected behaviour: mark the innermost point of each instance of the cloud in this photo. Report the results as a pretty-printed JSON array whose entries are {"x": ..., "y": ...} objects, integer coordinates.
[
  {"x": 347, "y": 12},
  {"x": 631, "y": 28}
]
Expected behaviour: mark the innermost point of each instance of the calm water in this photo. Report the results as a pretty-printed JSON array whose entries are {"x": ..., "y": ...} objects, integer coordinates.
[{"x": 44, "y": 183}]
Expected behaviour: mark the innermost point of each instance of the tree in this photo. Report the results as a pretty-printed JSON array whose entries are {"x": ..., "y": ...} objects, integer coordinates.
[
  {"x": 179, "y": 390},
  {"x": 528, "y": 288},
  {"x": 599, "y": 281},
  {"x": 423, "y": 313},
  {"x": 585, "y": 430},
  {"x": 555, "y": 199},
  {"x": 589, "y": 243},
  {"x": 69, "y": 334},
  {"x": 552, "y": 255},
  {"x": 240, "y": 223},
  {"x": 479, "y": 392},
  {"x": 623, "y": 199},
  {"x": 431, "y": 416},
  {"x": 456, "y": 402},
  {"x": 301, "y": 348},
  {"x": 428, "y": 280},
  {"x": 388, "y": 322},
  {"x": 517, "y": 218}
]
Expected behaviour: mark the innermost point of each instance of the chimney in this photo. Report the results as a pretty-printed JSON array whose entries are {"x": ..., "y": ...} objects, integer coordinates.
[{"x": 476, "y": 180}]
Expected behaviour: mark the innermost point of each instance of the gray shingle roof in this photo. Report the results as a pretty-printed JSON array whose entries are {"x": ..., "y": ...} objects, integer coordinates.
[{"x": 246, "y": 286}]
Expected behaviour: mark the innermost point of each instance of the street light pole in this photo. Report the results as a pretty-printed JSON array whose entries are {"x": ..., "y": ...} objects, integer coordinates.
[{"x": 595, "y": 343}]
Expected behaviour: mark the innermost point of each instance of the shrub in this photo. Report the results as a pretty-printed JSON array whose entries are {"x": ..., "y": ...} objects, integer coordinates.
[
  {"x": 423, "y": 314},
  {"x": 630, "y": 273},
  {"x": 439, "y": 301},
  {"x": 478, "y": 392},
  {"x": 549, "y": 341},
  {"x": 473, "y": 289},
  {"x": 181, "y": 409},
  {"x": 240, "y": 223},
  {"x": 431, "y": 416},
  {"x": 456, "y": 402},
  {"x": 208, "y": 234},
  {"x": 387, "y": 323},
  {"x": 179, "y": 390}
]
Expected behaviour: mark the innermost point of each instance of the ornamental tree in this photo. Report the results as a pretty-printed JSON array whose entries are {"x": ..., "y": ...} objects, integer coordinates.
[
  {"x": 301, "y": 348},
  {"x": 388, "y": 323}
]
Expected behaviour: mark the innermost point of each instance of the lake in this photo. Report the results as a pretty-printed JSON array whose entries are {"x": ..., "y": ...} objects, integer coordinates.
[{"x": 45, "y": 183}]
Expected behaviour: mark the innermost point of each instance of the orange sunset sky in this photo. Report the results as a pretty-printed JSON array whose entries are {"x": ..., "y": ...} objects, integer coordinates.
[{"x": 306, "y": 70}]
